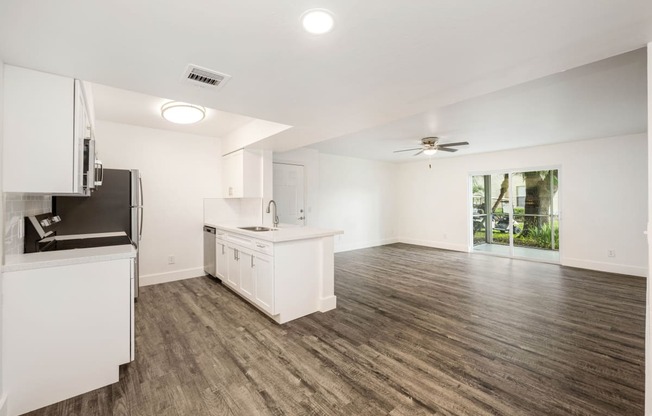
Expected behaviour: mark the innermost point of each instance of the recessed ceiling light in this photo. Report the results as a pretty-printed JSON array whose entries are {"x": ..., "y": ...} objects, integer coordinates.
[
  {"x": 429, "y": 152},
  {"x": 317, "y": 21},
  {"x": 182, "y": 113}
]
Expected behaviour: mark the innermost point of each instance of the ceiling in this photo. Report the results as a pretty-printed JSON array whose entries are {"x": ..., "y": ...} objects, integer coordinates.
[
  {"x": 604, "y": 99},
  {"x": 122, "y": 106},
  {"x": 384, "y": 61}
]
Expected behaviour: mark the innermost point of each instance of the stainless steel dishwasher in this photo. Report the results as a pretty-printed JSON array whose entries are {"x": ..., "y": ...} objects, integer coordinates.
[{"x": 210, "y": 263}]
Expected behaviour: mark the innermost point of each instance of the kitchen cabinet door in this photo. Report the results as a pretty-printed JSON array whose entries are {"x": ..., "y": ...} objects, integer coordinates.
[
  {"x": 222, "y": 260},
  {"x": 233, "y": 267},
  {"x": 66, "y": 329},
  {"x": 45, "y": 123},
  {"x": 247, "y": 274},
  {"x": 232, "y": 167},
  {"x": 264, "y": 282},
  {"x": 242, "y": 174}
]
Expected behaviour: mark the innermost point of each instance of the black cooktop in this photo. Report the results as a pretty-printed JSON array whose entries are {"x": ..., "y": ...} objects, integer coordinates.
[{"x": 56, "y": 245}]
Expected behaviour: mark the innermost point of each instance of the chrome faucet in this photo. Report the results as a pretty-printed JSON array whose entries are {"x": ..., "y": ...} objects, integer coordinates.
[{"x": 271, "y": 201}]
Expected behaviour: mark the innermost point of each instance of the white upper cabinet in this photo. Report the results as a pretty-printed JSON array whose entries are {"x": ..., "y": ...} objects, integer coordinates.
[
  {"x": 45, "y": 123},
  {"x": 242, "y": 174}
]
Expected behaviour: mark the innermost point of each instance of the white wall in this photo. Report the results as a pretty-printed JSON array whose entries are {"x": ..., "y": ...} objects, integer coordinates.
[
  {"x": 349, "y": 194},
  {"x": 357, "y": 196},
  {"x": 179, "y": 171},
  {"x": 250, "y": 133},
  {"x": 603, "y": 195},
  {"x": 3, "y": 407}
]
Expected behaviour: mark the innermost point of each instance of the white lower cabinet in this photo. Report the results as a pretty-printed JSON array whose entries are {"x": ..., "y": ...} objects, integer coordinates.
[
  {"x": 248, "y": 271},
  {"x": 264, "y": 282},
  {"x": 246, "y": 260},
  {"x": 66, "y": 329},
  {"x": 285, "y": 279},
  {"x": 222, "y": 259},
  {"x": 233, "y": 267}
]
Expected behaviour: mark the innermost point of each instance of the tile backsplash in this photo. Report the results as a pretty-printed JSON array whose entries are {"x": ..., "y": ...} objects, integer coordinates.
[{"x": 16, "y": 208}]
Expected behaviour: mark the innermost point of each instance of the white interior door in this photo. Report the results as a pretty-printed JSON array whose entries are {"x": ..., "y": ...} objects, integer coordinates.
[{"x": 289, "y": 193}]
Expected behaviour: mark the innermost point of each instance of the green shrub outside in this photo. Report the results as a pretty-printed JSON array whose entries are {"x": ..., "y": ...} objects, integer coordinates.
[{"x": 538, "y": 237}]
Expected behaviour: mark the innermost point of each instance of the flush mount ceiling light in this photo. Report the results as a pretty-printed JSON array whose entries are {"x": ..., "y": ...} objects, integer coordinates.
[
  {"x": 182, "y": 113},
  {"x": 317, "y": 21}
]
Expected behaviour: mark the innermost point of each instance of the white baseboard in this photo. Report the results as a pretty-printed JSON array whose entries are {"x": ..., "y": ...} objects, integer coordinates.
[
  {"x": 365, "y": 244},
  {"x": 445, "y": 245},
  {"x": 605, "y": 267},
  {"x": 582, "y": 264},
  {"x": 327, "y": 304},
  {"x": 3, "y": 405},
  {"x": 154, "y": 279}
]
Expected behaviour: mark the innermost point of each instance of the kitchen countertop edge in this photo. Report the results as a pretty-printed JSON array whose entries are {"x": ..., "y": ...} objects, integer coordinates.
[
  {"x": 29, "y": 261},
  {"x": 281, "y": 234}
]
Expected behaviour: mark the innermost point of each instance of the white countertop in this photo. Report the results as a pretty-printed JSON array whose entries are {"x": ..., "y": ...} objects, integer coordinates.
[
  {"x": 279, "y": 234},
  {"x": 28, "y": 261}
]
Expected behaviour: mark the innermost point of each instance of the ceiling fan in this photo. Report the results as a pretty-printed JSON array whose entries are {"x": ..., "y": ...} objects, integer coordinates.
[{"x": 430, "y": 146}]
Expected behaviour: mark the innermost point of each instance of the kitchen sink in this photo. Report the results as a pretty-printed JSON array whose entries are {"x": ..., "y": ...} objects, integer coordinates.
[{"x": 257, "y": 228}]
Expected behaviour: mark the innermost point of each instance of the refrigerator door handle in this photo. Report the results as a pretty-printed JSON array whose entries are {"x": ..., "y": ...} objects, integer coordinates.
[
  {"x": 140, "y": 182},
  {"x": 142, "y": 216}
]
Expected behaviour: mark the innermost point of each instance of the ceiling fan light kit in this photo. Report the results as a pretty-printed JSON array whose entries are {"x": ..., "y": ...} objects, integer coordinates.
[{"x": 430, "y": 146}]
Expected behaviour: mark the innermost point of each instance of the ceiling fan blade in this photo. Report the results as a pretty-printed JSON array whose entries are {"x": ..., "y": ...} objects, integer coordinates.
[
  {"x": 445, "y": 149},
  {"x": 407, "y": 150},
  {"x": 453, "y": 144},
  {"x": 418, "y": 153}
]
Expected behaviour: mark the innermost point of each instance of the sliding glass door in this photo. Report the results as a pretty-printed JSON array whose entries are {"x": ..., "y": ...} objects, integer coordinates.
[{"x": 516, "y": 214}]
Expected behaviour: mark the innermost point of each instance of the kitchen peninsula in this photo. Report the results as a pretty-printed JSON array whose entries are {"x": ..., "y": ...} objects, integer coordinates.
[{"x": 285, "y": 272}]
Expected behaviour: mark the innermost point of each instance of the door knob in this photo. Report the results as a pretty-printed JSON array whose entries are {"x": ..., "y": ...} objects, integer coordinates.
[{"x": 302, "y": 218}]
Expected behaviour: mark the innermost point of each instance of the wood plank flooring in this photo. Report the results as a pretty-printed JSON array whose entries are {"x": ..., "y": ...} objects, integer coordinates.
[{"x": 417, "y": 331}]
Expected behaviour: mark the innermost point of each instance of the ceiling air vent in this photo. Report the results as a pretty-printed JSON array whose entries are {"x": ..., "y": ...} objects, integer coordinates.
[{"x": 204, "y": 77}]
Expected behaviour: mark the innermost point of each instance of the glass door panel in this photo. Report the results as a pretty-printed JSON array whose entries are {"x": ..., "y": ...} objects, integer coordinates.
[
  {"x": 538, "y": 215},
  {"x": 491, "y": 213},
  {"x": 480, "y": 218}
]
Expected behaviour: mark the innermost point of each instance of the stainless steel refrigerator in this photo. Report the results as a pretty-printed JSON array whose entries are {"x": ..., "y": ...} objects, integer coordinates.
[{"x": 115, "y": 206}]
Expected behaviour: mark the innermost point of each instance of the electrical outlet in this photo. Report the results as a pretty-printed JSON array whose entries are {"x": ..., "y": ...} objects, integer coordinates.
[
  {"x": 611, "y": 253},
  {"x": 171, "y": 260}
]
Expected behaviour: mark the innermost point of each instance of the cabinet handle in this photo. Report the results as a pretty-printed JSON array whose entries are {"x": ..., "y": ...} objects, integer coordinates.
[
  {"x": 260, "y": 245},
  {"x": 252, "y": 261},
  {"x": 222, "y": 248}
]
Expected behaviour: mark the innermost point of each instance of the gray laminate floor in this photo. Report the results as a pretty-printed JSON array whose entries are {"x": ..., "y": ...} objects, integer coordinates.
[{"x": 417, "y": 331}]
